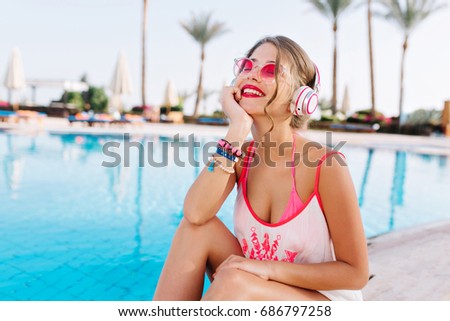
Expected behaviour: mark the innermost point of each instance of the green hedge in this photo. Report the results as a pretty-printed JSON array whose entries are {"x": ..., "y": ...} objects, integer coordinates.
[
  {"x": 94, "y": 99},
  {"x": 364, "y": 116},
  {"x": 163, "y": 109}
]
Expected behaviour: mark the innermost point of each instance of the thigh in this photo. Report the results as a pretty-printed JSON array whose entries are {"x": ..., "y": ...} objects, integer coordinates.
[
  {"x": 194, "y": 248},
  {"x": 222, "y": 244},
  {"x": 233, "y": 284}
]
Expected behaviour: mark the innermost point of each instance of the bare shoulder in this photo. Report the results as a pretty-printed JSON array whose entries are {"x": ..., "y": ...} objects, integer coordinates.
[
  {"x": 334, "y": 173},
  {"x": 333, "y": 167},
  {"x": 334, "y": 183},
  {"x": 312, "y": 152}
]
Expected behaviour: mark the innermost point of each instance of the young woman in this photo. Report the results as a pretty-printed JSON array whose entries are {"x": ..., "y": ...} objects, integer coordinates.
[{"x": 298, "y": 231}]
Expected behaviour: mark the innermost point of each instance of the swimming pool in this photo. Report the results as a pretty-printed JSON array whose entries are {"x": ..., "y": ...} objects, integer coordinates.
[{"x": 72, "y": 229}]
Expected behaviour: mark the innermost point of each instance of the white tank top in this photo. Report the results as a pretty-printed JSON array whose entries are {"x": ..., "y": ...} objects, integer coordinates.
[{"x": 301, "y": 238}]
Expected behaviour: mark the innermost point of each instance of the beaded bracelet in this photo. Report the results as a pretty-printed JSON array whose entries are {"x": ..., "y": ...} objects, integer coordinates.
[
  {"x": 231, "y": 152},
  {"x": 227, "y": 146},
  {"x": 225, "y": 154},
  {"x": 213, "y": 163}
]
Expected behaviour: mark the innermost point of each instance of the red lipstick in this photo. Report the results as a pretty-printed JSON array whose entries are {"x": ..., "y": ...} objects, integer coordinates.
[{"x": 251, "y": 91}]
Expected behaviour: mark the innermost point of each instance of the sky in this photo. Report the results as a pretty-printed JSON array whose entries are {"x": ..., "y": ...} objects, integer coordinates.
[{"x": 65, "y": 39}]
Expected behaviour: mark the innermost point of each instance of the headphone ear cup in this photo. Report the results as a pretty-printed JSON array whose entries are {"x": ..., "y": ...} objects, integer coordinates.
[{"x": 304, "y": 101}]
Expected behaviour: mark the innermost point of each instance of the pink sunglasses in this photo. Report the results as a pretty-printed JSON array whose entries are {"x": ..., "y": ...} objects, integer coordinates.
[{"x": 243, "y": 66}]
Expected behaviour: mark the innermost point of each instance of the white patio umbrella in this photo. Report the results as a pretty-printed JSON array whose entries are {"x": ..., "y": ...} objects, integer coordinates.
[
  {"x": 345, "y": 102},
  {"x": 15, "y": 76},
  {"x": 120, "y": 84},
  {"x": 171, "y": 97}
]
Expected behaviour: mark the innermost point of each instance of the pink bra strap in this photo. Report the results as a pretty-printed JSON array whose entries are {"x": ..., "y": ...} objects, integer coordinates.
[
  {"x": 293, "y": 162},
  {"x": 247, "y": 160}
]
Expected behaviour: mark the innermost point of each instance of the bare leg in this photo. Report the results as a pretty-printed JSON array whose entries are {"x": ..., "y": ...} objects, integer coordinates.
[
  {"x": 232, "y": 284},
  {"x": 193, "y": 249}
]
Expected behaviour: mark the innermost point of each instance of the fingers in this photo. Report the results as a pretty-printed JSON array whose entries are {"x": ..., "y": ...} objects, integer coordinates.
[
  {"x": 237, "y": 262},
  {"x": 231, "y": 265},
  {"x": 231, "y": 262},
  {"x": 234, "y": 91},
  {"x": 237, "y": 94}
]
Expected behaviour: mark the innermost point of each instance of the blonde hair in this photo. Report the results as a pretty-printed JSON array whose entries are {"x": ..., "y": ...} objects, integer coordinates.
[{"x": 302, "y": 73}]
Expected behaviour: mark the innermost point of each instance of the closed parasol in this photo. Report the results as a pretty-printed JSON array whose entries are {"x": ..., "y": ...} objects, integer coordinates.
[{"x": 120, "y": 84}]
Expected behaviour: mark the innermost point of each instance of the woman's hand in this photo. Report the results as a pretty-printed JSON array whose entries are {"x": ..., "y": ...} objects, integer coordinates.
[
  {"x": 258, "y": 268},
  {"x": 231, "y": 95}
]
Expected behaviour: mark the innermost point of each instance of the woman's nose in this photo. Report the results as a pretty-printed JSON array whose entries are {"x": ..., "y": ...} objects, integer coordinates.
[{"x": 254, "y": 73}]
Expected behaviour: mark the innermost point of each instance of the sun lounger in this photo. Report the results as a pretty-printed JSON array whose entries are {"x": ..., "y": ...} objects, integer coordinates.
[
  {"x": 103, "y": 119},
  {"x": 29, "y": 114},
  {"x": 6, "y": 115},
  {"x": 212, "y": 121},
  {"x": 79, "y": 118},
  {"x": 90, "y": 119},
  {"x": 134, "y": 118},
  {"x": 164, "y": 119},
  {"x": 176, "y": 117},
  {"x": 129, "y": 119},
  {"x": 353, "y": 127}
]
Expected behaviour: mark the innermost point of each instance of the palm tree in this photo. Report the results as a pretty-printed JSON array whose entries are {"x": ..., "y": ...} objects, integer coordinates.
[
  {"x": 407, "y": 14},
  {"x": 372, "y": 77},
  {"x": 332, "y": 9},
  {"x": 144, "y": 37},
  {"x": 202, "y": 30}
]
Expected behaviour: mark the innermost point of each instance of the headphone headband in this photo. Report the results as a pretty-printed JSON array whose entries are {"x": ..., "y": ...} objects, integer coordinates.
[{"x": 316, "y": 80}]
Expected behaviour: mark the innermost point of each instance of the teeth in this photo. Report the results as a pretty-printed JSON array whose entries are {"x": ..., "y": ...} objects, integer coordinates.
[{"x": 252, "y": 91}]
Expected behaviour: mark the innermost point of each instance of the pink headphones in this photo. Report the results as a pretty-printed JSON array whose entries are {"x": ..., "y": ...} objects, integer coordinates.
[{"x": 305, "y": 99}]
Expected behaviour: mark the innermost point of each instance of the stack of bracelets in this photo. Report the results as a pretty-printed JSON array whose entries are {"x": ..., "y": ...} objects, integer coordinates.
[{"x": 225, "y": 149}]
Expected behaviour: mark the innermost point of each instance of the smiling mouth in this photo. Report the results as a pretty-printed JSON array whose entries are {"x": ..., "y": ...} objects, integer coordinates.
[{"x": 250, "y": 92}]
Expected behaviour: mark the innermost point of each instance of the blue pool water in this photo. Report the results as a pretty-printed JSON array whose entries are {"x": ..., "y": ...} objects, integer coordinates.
[{"x": 72, "y": 229}]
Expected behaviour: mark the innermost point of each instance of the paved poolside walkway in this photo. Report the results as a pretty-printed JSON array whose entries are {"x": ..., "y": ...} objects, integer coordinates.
[{"x": 410, "y": 265}]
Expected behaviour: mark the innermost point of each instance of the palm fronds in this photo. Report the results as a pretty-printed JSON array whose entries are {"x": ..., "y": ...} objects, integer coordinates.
[
  {"x": 202, "y": 29},
  {"x": 407, "y": 14},
  {"x": 330, "y": 8}
]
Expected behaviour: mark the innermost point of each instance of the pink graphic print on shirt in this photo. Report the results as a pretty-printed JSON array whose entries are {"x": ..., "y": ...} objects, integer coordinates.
[{"x": 265, "y": 250}]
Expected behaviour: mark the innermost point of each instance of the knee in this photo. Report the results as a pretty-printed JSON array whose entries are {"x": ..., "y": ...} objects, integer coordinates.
[
  {"x": 230, "y": 277},
  {"x": 228, "y": 284}
]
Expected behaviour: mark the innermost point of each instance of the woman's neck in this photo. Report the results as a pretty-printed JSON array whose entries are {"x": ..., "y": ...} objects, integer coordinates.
[
  {"x": 275, "y": 143},
  {"x": 280, "y": 133}
]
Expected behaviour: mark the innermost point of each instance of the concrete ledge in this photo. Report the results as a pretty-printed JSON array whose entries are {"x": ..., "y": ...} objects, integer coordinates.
[{"x": 412, "y": 264}]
